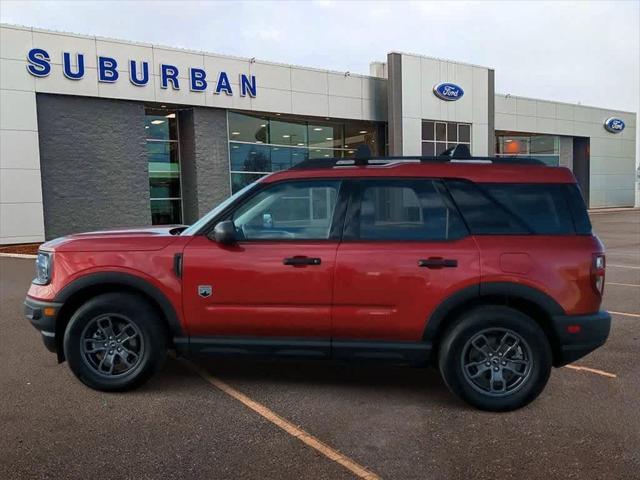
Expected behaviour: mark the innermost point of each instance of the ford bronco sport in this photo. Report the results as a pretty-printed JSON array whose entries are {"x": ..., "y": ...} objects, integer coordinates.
[{"x": 486, "y": 268}]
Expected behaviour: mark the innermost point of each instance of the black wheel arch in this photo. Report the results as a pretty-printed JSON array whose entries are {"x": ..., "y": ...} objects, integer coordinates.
[
  {"x": 529, "y": 300},
  {"x": 79, "y": 291}
]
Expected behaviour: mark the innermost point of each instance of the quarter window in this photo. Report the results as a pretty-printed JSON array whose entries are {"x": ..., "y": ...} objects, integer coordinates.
[
  {"x": 406, "y": 210},
  {"x": 289, "y": 211}
]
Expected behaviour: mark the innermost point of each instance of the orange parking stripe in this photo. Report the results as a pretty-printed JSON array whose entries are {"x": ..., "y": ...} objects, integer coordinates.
[
  {"x": 285, "y": 425},
  {"x": 625, "y": 314},
  {"x": 592, "y": 370}
]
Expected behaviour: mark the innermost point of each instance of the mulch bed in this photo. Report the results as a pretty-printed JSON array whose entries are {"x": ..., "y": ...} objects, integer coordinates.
[{"x": 23, "y": 248}]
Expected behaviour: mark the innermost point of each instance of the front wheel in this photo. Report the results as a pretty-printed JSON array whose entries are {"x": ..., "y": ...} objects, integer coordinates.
[
  {"x": 115, "y": 342},
  {"x": 495, "y": 358}
]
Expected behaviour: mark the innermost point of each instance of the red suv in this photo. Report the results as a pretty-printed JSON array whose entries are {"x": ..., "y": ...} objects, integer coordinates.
[{"x": 484, "y": 267}]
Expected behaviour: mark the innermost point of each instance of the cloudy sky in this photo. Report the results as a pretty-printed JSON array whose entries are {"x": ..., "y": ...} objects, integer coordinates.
[{"x": 585, "y": 52}]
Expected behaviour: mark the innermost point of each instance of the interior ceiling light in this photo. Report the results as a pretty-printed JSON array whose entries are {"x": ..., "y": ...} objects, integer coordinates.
[
  {"x": 301, "y": 144},
  {"x": 286, "y": 136},
  {"x": 317, "y": 129},
  {"x": 163, "y": 106},
  {"x": 156, "y": 122},
  {"x": 235, "y": 133},
  {"x": 363, "y": 131},
  {"x": 171, "y": 115},
  {"x": 263, "y": 125},
  {"x": 329, "y": 138}
]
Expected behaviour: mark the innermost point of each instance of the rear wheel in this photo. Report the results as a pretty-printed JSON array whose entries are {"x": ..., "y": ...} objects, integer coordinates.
[
  {"x": 495, "y": 358},
  {"x": 115, "y": 342}
]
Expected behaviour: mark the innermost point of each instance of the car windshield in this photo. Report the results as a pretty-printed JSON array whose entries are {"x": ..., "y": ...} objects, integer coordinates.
[{"x": 207, "y": 218}]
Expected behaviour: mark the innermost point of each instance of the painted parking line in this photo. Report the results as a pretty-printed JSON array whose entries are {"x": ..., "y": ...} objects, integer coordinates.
[
  {"x": 288, "y": 427},
  {"x": 624, "y": 284},
  {"x": 591, "y": 370},
  {"x": 625, "y": 314},
  {"x": 622, "y": 266}
]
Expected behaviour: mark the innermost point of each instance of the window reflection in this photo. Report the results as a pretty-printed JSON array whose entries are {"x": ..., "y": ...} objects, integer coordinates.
[
  {"x": 259, "y": 144},
  {"x": 545, "y": 148}
]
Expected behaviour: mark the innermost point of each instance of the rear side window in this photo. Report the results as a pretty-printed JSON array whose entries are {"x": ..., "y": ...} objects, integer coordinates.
[
  {"x": 510, "y": 208},
  {"x": 406, "y": 210}
]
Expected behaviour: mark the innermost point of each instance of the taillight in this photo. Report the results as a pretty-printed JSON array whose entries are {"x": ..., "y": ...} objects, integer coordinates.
[{"x": 597, "y": 272}]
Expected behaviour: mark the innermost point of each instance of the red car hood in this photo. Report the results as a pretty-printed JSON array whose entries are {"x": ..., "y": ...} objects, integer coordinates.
[{"x": 145, "y": 238}]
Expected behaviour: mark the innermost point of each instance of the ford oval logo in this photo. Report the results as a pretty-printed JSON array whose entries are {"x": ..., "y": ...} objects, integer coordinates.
[
  {"x": 614, "y": 125},
  {"x": 448, "y": 91}
]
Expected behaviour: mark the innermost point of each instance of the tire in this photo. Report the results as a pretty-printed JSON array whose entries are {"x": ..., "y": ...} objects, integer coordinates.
[
  {"x": 491, "y": 375},
  {"x": 128, "y": 357}
]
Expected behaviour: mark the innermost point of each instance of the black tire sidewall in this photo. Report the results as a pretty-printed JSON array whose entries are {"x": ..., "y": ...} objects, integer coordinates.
[
  {"x": 138, "y": 311},
  {"x": 479, "y": 319}
]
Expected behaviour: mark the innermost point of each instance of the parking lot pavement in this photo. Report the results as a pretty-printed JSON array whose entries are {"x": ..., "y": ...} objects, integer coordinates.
[{"x": 397, "y": 422}]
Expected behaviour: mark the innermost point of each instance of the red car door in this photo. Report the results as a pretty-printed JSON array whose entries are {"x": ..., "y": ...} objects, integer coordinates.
[
  {"x": 277, "y": 280},
  {"x": 405, "y": 249}
]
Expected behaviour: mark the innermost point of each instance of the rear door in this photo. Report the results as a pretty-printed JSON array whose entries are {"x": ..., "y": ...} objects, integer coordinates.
[{"x": 404, "y": 250}]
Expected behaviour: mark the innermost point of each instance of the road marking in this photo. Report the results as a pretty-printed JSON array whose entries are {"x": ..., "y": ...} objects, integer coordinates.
[
  {"x": 17, "y": 255},
  {"x": 625, "y": 314},
  {"x": 591, "y": 370},
  {"x": 623, "y": 284},
  {"x": 285, "y": 425},
  {"x": 622, "y": 266}
]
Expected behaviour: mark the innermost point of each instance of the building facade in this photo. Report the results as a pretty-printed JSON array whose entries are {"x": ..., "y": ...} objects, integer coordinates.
[{"x": 98, "y": 133}]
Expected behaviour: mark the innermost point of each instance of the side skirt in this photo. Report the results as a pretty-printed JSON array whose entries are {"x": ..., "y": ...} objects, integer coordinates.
[{"x": 403, "y": 353}]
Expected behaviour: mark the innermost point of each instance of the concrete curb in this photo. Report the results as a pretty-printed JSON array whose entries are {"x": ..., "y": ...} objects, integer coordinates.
[
  {"x": 17, "y": 255},
  {"x": 613, "y": 209}
]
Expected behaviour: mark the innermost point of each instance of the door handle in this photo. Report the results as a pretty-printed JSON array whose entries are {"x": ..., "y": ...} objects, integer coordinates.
[
  {"x": 298, "y": 261},
  {"x": 438, "y": 262}
]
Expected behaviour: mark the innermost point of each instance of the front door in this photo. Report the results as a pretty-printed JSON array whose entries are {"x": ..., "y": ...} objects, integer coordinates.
[
  {"x": 277, "y": 280},
  {"x": 405, "y": 249}
]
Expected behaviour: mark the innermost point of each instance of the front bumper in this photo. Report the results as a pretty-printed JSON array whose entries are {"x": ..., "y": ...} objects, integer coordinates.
[
  {"x": 42, "y": 316},
  {"x": 579, "y": 335}
]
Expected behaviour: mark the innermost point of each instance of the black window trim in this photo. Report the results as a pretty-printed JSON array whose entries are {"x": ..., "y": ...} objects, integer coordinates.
[
  {"x": 337, "y": 222},
  {"x": 351, "y": 222}
]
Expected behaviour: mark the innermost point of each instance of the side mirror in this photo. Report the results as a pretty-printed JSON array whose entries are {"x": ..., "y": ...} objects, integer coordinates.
[{"x": 225, "y": 233}]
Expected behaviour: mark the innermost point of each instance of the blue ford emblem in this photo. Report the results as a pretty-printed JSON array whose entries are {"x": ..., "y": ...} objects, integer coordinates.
[
  {"x": 448, "y": 91},
  {"x": 614, "y": 125}
]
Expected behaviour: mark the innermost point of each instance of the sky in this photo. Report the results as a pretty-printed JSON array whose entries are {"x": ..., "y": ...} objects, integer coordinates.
[{"x": 586, "y": 52}]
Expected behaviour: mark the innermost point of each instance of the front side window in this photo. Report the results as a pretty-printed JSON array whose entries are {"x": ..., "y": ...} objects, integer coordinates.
[
  {"x": 289, "y": 211},
  {"x": 406, "y": 210}
]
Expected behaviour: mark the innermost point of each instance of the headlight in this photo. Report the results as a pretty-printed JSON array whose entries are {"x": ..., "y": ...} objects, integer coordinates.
[{"x": 43, "y": 268}]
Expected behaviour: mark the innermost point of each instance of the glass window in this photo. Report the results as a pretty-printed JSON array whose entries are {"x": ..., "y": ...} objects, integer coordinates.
[
  {"x": 241, "y": 180},
  {"x": 288, "y": 133},
  {"x": 248, "y": 128},
  {"x": 437, "y": 137},
  {"x": 262, "y": 144},
  {"x": 545, "y": 148},
  {"x": 501, "y": 208},
  {"x": 289, "y": 211},
  {"x": 249, "y": 157},
  {"x": 406, "y": 210},
  {"x": 160, "y": 125},
  {"x": 464, "y": 133},
  {"x": 326, "y": 135},
  {"x": 163, "y": 157}
]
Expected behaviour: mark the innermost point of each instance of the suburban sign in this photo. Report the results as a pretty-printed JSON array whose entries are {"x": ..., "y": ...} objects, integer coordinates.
[
  {"x": 614, "y": 125},
  {"x": 448, "y": 91},
  {"x": 73, "y": 68}
]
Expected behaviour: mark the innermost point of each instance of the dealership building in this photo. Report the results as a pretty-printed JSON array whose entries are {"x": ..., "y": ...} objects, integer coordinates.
[{"x": 98, "y": 133}]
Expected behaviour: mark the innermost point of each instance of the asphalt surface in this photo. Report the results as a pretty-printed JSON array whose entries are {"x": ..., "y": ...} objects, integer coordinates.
[{"x": 397, "y": 422}]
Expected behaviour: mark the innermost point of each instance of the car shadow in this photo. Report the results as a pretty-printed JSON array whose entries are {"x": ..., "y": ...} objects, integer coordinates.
[{"x": 420, "y": 384}]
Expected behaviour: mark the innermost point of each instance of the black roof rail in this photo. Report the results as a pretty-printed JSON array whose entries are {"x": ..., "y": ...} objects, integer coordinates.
[{"x": 457, "y": 154}]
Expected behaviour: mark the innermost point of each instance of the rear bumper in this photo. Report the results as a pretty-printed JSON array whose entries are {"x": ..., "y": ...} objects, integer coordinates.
[
  {"x": 579, "y": 335},
  {"x": 42, "y": 316}
]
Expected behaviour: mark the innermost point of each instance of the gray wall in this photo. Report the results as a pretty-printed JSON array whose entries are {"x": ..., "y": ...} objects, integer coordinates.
[
  {"x": 94, "y": 164},
  {"x": 204, "y": 157}
]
